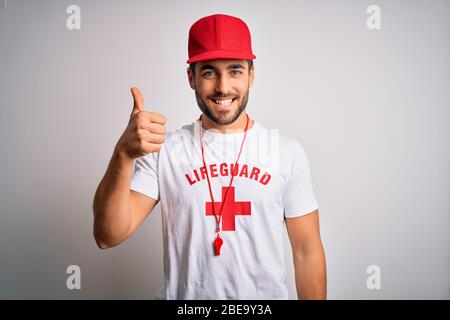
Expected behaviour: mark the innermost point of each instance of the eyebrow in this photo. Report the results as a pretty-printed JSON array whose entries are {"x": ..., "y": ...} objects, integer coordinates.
[{"x": 231, "y": 66}]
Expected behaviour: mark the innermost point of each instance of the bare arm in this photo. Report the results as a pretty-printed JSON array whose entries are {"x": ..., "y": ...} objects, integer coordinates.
[
  {"x": 118, "y": 211},
  {"x": 308, "y": 255}
]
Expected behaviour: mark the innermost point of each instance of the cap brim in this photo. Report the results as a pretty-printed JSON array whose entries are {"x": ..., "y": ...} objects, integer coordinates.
[{"x": 221, "y": 54}]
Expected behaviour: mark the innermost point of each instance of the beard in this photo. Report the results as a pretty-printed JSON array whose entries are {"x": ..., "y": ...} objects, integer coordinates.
[{"x": 224, "y": 117}]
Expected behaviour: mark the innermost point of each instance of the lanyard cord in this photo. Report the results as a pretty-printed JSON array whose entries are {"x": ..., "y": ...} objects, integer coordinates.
[{"x": 218, "y": 218}]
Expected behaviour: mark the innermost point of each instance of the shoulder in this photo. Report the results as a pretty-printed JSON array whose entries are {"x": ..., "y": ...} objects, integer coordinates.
[
  {"x": 290, "y": 144},
  {"x": 294, "y": 154},
  {"x": 285, "y": 144},
  {"x": 289, "y": 153},
  {"x": 185, "y": 133}
]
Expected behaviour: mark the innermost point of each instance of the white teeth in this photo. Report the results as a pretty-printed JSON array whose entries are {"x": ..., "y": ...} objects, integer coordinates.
[{"x": 225, "y": 102}]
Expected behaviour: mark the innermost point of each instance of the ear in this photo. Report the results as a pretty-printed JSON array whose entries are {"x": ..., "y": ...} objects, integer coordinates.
[
  {"x": 251, "y": 76},
  {"x": 191, "y": 78}
]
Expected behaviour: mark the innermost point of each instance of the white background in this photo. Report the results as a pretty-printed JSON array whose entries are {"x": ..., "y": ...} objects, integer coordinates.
[{"x": 370, "y": 107}]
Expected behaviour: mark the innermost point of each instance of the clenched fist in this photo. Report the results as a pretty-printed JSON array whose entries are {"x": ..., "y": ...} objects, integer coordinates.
[{"x": 145, "y": 131}]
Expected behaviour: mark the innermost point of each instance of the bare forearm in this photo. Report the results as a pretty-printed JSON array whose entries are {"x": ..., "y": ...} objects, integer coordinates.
[
  {"x": 112, "y": 217},
  {"x": 310, "y": 276}
]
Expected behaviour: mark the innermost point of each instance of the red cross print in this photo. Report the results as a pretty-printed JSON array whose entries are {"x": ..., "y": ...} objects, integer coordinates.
[{"x": 230, "y": 209}]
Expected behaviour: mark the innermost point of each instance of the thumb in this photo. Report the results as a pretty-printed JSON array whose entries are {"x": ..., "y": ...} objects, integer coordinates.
[{"x": 138, "y": 100}]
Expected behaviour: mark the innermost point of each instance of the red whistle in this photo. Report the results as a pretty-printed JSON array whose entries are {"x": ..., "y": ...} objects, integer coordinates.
[{"x": 217, "y": 245}]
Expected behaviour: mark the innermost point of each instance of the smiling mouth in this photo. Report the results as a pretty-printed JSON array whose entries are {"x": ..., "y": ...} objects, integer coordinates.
[{"x": 223, "y": 102}]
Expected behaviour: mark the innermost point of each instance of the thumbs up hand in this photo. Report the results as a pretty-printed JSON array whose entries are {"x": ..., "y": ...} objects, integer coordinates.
[
  {"x": 138, "y": 101},
  {"x": 145, "y": 131}
]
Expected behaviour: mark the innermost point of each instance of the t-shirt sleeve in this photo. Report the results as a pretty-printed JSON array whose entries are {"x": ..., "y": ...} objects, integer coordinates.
[
  {"x": 299, "y": 198},
  {"x": 145, "y": 176}
]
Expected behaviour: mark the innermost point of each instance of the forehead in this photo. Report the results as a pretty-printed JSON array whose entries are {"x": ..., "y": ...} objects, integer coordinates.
[{"x": 222, "y": 63}]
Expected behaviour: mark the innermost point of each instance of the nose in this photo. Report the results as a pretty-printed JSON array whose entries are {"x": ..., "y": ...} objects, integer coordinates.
[{"x": 223, "y": 85}]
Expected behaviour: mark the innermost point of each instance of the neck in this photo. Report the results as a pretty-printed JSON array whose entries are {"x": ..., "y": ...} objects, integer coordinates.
[{"x": 238, "y": 125}]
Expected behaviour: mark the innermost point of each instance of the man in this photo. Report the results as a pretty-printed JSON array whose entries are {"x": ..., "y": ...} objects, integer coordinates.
[{"x": 223, "y": 204}]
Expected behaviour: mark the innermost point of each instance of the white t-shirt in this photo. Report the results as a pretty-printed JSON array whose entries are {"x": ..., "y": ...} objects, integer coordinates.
[{"x": 272, "y": 181}]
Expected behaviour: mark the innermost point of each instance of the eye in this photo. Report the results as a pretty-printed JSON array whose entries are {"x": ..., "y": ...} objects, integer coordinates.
[
  {"x": 208, "y": 74},
  {"x": 236, "y": 72}
]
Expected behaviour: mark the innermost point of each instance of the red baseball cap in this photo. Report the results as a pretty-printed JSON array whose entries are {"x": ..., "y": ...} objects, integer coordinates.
[{"x": 219, "y": 36}]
